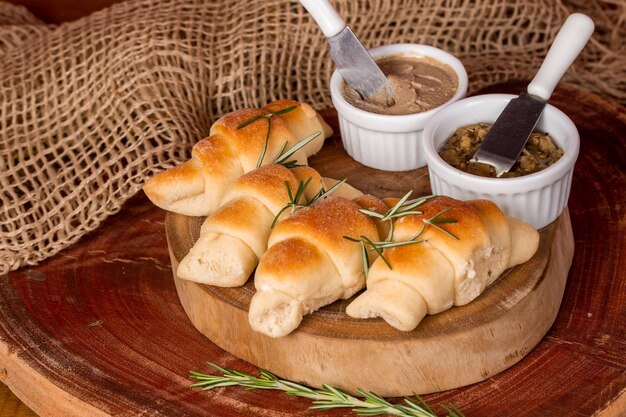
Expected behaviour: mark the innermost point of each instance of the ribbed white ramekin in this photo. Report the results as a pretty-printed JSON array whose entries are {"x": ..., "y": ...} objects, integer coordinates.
[
  {"x": 390, "y": 142},
  {"x": 539, "y": 198}
]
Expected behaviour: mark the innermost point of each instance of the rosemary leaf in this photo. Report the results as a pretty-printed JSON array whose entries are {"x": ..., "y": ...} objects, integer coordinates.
[
  {"x": 282, "y": 157},
  {"x": 267, "y": 115},
  {"x": 250, "y": 121},
  {"x": 376, "y": 248},
  {"x": 326, "y": 398},
  {"x": 405, "y": 213},
  {"x": 267, "y": 141},
  {"x": 392, "y": 228},
  {"x": 325, "y": 193},
  {"x": 365, "y": 260},
  {"x": 282, "y": 210},
  {"x": 372, "y": 213},
  {"x": 433, "y": 221},
  {"x": 289, "y": 190},
  {"x": 285, "y": 110},
  {"x": 398, "y": 204},
  {"x": 294, "y": 200},
  {"x": 300, "y": 191}
]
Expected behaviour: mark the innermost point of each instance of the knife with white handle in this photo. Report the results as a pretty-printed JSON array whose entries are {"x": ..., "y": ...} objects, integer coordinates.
[
  {"x": 352, "y": 60},
  {"x": 508, "y": 135}
]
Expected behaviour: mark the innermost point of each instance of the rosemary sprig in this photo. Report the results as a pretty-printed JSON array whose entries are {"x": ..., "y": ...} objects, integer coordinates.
[
  {"x": 326, "y": 398},
  {"x": 403, "y": 207},
  {"x": 435, "y": 220},
  {"x": 283, "y": 158},
  {"x": 378, "y": 247},
  {"x": 294, "y": 199},
  {"x": 267, "y": 116}
]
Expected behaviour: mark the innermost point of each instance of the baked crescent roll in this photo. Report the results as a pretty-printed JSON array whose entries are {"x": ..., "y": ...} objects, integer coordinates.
[
  {"x": 432, "y": 276},
  {"x": 233, "y": 239},
  {"x": 310, "y": 264},
  {"x": 196, "y": 187}
]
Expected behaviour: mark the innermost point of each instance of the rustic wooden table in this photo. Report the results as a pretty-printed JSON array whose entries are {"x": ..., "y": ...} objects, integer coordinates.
[{"x": 99, "y": 330}]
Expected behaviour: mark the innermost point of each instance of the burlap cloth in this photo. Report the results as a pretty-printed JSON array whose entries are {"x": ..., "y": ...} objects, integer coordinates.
[{"x": 90, "y": 109}]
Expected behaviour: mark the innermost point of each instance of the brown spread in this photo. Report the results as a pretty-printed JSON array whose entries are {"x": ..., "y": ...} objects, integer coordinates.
[
  {"x": 539, "y": 153},
  {"x": 419, "y": 84}
]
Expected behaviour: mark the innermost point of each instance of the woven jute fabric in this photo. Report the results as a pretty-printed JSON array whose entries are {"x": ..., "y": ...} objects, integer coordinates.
[{"x": 92, "y": 108}]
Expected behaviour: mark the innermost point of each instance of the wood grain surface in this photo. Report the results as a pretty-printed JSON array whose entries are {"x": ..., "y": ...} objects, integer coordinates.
[
  {"x": 99, "y": 329},
  {"x": 457, "y": 347},
  {"x": 11, "y": 406}
]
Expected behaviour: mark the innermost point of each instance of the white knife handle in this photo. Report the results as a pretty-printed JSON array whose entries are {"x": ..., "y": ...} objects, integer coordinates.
[
  {"x": 325, "y": 16},
  {"x": 568, "y": 43}
]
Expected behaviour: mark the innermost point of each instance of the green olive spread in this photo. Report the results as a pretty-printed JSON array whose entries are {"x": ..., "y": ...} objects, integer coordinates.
[{"x": 539, "y": 153}]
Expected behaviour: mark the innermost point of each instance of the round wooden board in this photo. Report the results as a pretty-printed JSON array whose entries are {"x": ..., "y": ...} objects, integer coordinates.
[
  {"x": 99, "y": 329},
  {"x": 458, "y": 347}
]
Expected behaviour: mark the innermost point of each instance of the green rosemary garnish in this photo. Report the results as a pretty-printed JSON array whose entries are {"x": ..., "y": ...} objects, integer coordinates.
[
  {"x": 294, "y": 199},
  {"x": 435, "y": 220},
  {"x": 403, "y": 207},
  {"x": 283, "y": 158},
  {"x": 323, "y": 399},
  {"x": 267, "y": 116},
  {"x": 378, "y": 247}
]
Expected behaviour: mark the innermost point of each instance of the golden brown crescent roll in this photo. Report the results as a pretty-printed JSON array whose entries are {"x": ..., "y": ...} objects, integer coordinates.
[
  {"x": 196, "y": 187},
  {"x": 309, "y": 264},
  {"x": 432, "y": 276},
  {"x": 233, "y": 239}
]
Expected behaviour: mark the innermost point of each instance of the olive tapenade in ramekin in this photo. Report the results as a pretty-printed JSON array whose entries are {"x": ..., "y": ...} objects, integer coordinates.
[
  {"x": 537, "y": 198},
  {"x": 539, "y": 153}
]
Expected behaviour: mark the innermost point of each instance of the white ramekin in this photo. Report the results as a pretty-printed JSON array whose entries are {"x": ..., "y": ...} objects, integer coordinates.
[
  {"x": 388, "y": 142},
  {"x": 537, "y": 199}
]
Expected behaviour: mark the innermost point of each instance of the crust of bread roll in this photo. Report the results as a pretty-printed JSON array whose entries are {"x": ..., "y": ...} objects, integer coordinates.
[
  {"x": 196, "y": 187},
  {"x": 469, "y": 254},
  {"x": 325, "y": 224},
  {"x": 500, "y": 235},
  {"x": 265, "y": 184},
  {"x": 424, "y": 276},
  {"x": 345, "y": 190},
  {"x": 524, "y": 241},
  {"x": 309, "y": 264},
  {"x": 182, "y": 189},
  {"x": 303, "y": 174},
  {"x": 240, "y": 228},
  {"x": 395, "y": 302},
  {"x": 303, "y": 121},
  {"x": 371, "y": 203},
  {"x": 218, "y": 259},
  {"x": 251, "y": 139},
  {"x": 420, "y": 282}
]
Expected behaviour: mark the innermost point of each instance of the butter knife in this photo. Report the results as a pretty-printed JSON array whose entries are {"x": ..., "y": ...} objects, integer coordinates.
[
  {"x": 352, "y": 60},
  {"x": 507, "y": 137}
]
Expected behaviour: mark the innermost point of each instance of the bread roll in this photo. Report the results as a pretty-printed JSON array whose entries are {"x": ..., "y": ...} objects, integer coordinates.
[
  {"x": 234, "y": 237},
  {"x": 309, "y": 263},
  {"x": 432, "y": 276},
  {"x": 196, "y": 187}
]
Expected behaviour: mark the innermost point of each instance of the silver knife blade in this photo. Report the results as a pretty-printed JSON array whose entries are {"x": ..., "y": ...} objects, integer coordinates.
[
  {"x": 508, "y": 135},
  {"x": 356, "y": 66}
]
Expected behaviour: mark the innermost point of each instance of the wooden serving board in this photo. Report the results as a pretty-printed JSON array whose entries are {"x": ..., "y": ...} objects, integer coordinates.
[
  {"x": 99, "y": 330},
  {"x": 458, "y": 347}
]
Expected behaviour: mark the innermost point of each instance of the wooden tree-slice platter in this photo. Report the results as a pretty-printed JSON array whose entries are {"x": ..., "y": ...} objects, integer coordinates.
[
  {"x": 458, "y": 347},
  {"x": 99, "y": 328}
]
